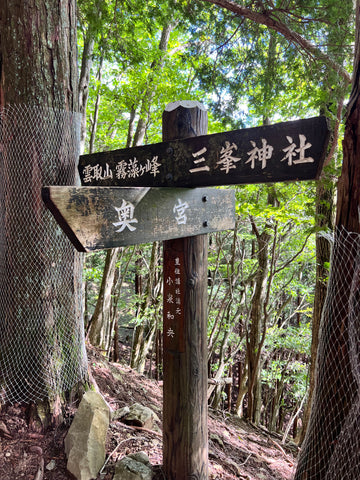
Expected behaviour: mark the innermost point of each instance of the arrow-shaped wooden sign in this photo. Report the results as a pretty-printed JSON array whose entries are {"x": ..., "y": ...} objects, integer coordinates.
[
  {"x": 280, "y": 152},
  {"x": 95, "y": 218}
]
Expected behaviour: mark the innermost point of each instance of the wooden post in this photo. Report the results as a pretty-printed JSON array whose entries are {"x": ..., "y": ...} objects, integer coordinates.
[{"x": 185, "y": 329}]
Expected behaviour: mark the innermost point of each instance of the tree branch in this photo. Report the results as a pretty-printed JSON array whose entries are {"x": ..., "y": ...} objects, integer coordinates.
[{"x": 264, "y": 18}]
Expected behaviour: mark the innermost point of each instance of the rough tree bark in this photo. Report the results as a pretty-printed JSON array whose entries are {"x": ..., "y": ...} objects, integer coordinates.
[
  {"x": 38, "y": 54},
  {"x": 38, "y": 69}
]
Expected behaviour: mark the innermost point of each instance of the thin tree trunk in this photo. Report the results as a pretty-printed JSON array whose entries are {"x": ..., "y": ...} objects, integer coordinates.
[
  {"x": 243, "y": 379},
  {"x": 256, "y": 337},
  {"x": 84, "y": 81},
  {"x": 130, "y": 133},
  {"x": 324, "y": 216},
  {"x": 150, "y": 91},
  {"x": 96, "y": 109},
  {"x": 100, "y": 332},
  {"x": 119, "y": 277},
  {"x": 144, "y": 332}
]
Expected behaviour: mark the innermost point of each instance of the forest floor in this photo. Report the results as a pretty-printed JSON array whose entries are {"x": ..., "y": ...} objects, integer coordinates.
[{"x": 236, "y": 448}]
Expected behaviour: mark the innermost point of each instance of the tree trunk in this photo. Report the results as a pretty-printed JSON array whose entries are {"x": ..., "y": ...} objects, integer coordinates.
[
  {"x": 324, "y": 220},
  {"x": 185, "y": 427},
  {"x": 243, "y": 378},
  {"x": 38, "y": 39},
  {"x": 332, "y": 444},
  {"x": 97, "y": 108},
  {"x": 41, "y": 335},
  {"x": 222, "y": 361},
  {"x": 150, "y": 91},
  {"x": 145, "y": 330},
  {"x": 100, "y": 332},
  {"x": 84, "y": 81},
  {"x": 255, "y": 336}
]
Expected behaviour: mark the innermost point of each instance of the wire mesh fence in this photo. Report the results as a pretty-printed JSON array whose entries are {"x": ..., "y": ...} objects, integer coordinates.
[
  {"x": 331, "y": 449},
  {"x": 42, "y": 349}
]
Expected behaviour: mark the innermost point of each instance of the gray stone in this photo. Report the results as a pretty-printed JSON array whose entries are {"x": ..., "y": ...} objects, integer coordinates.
[
  {"x": 121, "y": 413},
  {"x": 85, "y": 440},
  {"x": 136, "y": 466},
  {"x": 140, "y": 457},
  {"x": 140, "y": 416}
]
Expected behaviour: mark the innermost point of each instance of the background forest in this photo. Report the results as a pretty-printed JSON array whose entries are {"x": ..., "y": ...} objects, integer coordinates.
[{"x": 273, "y": 61}]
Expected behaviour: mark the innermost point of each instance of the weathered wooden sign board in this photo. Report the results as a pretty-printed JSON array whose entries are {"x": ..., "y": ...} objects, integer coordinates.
[
  {"x": 96, "y": 218},
  {"x": 281, "y": 152}
]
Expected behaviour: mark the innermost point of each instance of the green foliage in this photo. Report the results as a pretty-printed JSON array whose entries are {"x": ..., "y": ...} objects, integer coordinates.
[
  {"x": 288, "y": 351},
  {"x": 127, "y": 46},
  {"x": 290, "y": 338},
  {"x": 256, "y": 74}
]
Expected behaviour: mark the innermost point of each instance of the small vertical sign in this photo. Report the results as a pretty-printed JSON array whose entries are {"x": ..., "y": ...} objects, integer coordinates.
[{"x": 173, "y": 303}]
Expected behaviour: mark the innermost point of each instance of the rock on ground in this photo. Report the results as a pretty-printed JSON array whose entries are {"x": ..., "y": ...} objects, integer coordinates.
[
  {"x": 140, "y": 416},
  {"x": 85, "y": 441},
  {"x": 134, "y": 467}
]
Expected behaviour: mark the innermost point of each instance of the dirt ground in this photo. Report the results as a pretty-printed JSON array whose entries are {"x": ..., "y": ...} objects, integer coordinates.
[{"x": 237, "y": 450}]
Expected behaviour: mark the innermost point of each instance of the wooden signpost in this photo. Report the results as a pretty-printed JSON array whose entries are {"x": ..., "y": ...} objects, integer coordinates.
[
  {"x": 273, "y": 153},
  {"x": 185, "y": 420},
  {"x": 110, "y": 210},
  {"x": 107, "y": 217}
]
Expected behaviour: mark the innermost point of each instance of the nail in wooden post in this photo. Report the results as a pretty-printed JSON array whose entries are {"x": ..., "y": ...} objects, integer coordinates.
[{"x": 185, "y": 327}]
